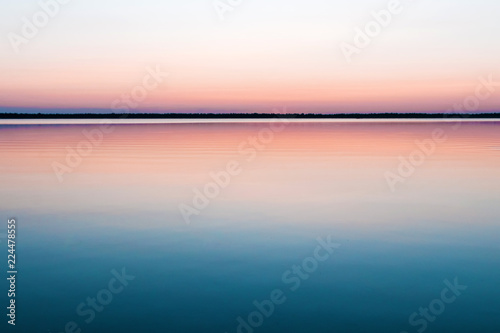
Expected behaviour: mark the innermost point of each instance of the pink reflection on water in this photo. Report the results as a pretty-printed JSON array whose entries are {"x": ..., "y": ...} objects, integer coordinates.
[{"x": 309, "y": 171}]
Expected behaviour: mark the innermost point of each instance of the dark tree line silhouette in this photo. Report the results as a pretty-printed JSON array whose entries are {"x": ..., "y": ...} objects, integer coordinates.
[{"x": 490, "y": 115}]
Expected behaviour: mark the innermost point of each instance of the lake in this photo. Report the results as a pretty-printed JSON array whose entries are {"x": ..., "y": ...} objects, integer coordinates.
[{"x": 262, "y": 226}]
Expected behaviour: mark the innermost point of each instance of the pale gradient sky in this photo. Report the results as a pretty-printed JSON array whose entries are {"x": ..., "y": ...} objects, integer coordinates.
[{"x": 266, "y": 53}]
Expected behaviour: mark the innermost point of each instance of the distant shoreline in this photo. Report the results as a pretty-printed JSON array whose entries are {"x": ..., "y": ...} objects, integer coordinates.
[{"x": 249, "y": 116}]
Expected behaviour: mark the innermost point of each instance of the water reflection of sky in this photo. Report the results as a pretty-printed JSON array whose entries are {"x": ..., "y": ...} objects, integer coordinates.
[{"x": 119, "y": 208}]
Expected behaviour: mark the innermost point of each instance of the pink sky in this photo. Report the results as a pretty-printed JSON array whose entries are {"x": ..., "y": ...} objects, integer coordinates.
[{"x": 91, "y": 55}]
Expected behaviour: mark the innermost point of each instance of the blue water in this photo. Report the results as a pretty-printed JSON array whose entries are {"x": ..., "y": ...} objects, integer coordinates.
[{"x": 118, "y": 210}]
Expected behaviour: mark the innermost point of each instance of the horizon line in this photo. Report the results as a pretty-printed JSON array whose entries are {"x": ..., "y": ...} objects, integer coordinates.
[{"x": 177, "y": 115}]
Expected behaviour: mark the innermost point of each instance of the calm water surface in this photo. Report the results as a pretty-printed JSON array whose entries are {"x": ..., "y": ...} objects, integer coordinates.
[{"x": 118, "y": 209}]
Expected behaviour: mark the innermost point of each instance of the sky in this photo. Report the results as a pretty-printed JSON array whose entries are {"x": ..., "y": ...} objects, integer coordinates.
[{"x": 249, "y": 55}]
